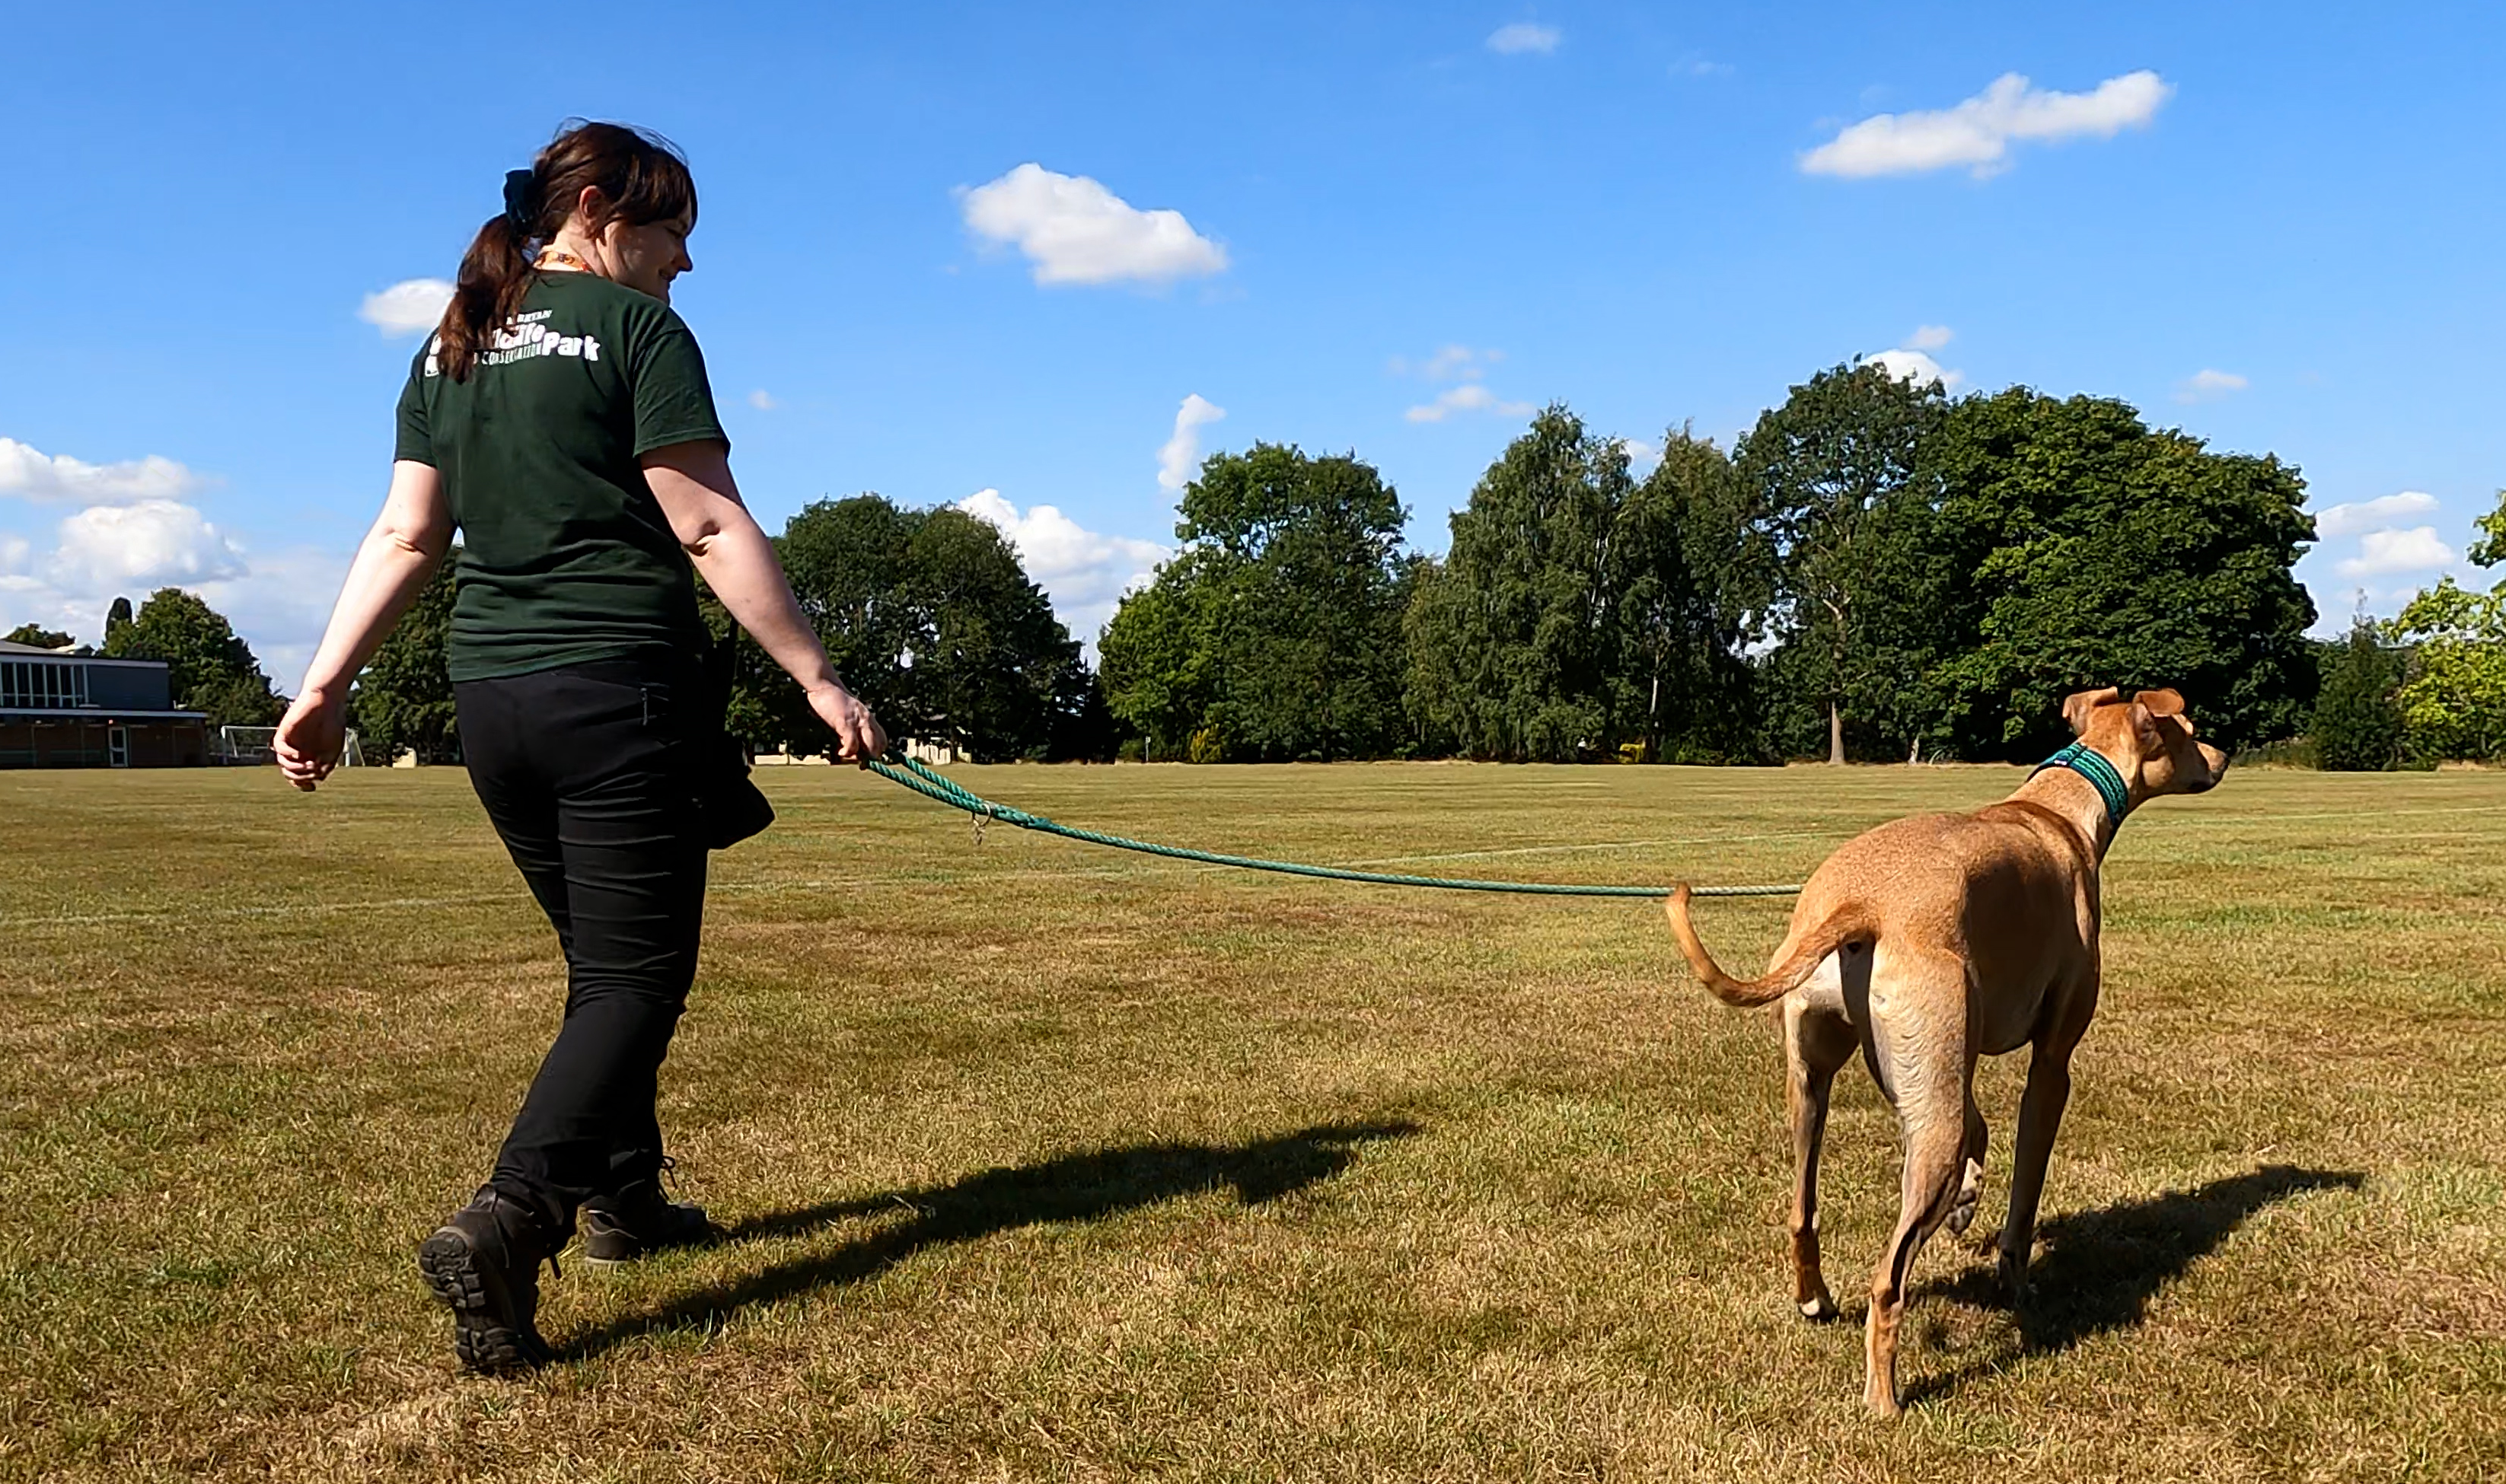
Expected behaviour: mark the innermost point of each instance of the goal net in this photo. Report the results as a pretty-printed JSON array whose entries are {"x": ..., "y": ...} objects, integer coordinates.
[{"x": 245, "y": 746}]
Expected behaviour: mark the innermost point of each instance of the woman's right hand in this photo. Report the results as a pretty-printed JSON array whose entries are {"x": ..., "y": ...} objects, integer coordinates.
[
  {"x": 310, "y": 738},
  {"x": 858, "y": 736}
]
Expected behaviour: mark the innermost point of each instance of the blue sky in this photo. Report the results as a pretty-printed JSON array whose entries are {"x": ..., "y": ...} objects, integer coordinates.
[{"x": 1396, "y": 229}]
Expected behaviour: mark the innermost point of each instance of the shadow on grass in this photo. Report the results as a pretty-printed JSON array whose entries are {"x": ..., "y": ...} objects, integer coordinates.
[
  {"x": 2100, "y": 1268},
  {"x": 1074, "y": 1187}
]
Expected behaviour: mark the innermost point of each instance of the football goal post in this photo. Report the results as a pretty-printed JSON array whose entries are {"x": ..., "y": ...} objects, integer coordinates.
[{"x": 246, "y": 746}]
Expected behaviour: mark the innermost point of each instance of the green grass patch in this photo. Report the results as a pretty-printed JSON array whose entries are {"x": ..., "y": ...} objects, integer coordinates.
[{"x": 1051, "y": 1162}]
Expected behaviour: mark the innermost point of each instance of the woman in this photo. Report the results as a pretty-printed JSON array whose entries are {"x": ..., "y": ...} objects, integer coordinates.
[{"x": 560, "y": 421}]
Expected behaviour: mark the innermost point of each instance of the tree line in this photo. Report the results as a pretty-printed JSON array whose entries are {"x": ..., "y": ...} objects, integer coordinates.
[{"x": 1875, "y": 570}]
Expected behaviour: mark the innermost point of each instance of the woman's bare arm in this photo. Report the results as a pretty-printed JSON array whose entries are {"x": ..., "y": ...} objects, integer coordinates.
[
  {"x": 696, "y": 493},
  {"x": 394, "y": 563}
]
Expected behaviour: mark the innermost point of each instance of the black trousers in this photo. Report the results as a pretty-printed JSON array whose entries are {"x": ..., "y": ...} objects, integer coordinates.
[{"x": 586, "y": 772}]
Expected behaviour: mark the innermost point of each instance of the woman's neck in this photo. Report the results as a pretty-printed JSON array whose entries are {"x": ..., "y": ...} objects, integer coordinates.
[{"x": 570, "y": 251}]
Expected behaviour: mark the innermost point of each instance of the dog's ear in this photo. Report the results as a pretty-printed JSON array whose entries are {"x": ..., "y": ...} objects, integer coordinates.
[
  {"x": 2165, "y": 703},
  {"x": 2144, "y": 727},
  {"x": 2077, "y": 707}
]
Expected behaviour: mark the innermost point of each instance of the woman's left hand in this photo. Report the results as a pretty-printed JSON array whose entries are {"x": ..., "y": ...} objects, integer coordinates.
[{"x": 310, "y": 738}]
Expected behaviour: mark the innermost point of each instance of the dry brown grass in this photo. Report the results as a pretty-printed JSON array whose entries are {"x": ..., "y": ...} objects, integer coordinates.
[{"x": 1051, "y": 1162}]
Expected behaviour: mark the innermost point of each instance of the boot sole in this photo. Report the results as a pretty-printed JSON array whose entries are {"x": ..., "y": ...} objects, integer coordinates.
[{"x": 484, "y": 1337}]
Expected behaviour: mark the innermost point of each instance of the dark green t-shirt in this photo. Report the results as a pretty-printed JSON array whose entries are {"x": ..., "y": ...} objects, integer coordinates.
[{"x": 565, "y": 555}]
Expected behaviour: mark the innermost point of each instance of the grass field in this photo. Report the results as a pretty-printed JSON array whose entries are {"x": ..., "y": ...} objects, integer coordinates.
[{"x": 1047, "y": 1162}]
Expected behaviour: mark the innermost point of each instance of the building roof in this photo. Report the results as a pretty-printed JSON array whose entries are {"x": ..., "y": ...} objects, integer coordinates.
[
  {"x": 7, "y": 647},
  {"x": 96, "y": 713}
]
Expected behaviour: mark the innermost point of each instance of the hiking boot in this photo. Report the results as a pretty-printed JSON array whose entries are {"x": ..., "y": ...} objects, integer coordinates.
[
  {"x": 484, "y": 1263},
  {"x": 639, "y": 1220}
]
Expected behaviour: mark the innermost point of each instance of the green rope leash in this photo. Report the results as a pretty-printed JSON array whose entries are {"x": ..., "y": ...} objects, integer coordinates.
[{"x": 930, "y": 785}]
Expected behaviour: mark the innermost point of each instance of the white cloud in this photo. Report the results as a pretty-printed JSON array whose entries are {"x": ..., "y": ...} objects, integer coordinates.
[
  {"x": 278, "y": 602},
  {"x": 33, "y": 474},
  {"x": 1179, "y": 456},
  {"x": 1449, "y": 363},
  {"x": 1469, "y": 397},
  {"x": 1085, "y": 572},
  {"x": 1699, "y": 64},
  {"x": 2208, "y": 385},
  {"x": 2416, "y": 550},
  {"x": 763, "y": 400},
  {"x": 1915, "y": 366},
  {"x": 1930, "y": 336},
  {"x": 150, "y": 544},
  {"x": 407, "y": 307},
  {"x": 1524, "y": 36},
  {"x": 1074, "y": 231},
  {"x": 1640, "y": 454},
  {"x": 1978, "y": 133},
  {"x": 2370, "y": 515}
]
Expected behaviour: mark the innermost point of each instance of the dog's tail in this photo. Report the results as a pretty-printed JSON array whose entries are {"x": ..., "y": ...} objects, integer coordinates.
[{"x": 1799, "y": 958}]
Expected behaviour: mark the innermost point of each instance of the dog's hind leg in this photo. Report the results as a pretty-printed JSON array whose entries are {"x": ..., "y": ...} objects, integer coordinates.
[
  {"x": 1971, "y": 1178},
  {"x": 1918, "y": 1035},
  {"x": 1817, "y": 1043}
]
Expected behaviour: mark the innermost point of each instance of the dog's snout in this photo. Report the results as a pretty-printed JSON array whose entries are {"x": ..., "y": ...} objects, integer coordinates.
[{"x": 2214, "y": 765}]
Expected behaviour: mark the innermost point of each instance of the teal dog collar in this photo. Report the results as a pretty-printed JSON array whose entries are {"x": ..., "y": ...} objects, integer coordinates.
[{"x": 2090, "y": 764}]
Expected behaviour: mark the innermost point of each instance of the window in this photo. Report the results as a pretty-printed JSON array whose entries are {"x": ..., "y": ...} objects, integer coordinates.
[{"x": 39, "y": 685}]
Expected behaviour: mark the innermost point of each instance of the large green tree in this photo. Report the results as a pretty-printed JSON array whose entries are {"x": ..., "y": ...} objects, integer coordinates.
[
  {"x": 931, "y": 620},
  {"x": 403, "y": 699},
  {"x": 1514, "y": 638},
  {"x": 2453, "y": 701},
  {"x": 1275, "y": 634},
  {"x": 1577, "y": 611},
  {"x": 2357, "y": 723},
  {"x": 210, "y": 668},
  {"x": 2105, "y": 553},
  {"x": 1826, "y": 474}
]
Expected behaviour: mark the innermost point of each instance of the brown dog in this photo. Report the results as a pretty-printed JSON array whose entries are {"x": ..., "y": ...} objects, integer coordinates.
[{"x": 1932, "y": 939}]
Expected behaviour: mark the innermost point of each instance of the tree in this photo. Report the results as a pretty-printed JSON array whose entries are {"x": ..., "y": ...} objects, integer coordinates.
[
  {"x": 117, "y": 619},
  {"x": 2453, "y": 701},
  {"x": 2489, "y": 549},
  {"x": 2106, "y": 553},
  {"x": 931, "y": 620},
  {"x": 1275, "y": 634},
  {"x": 1158, "y": 656},
  {"x": 209, "y": 668},
  {"x": 404, "y": 698},
  {"x": 1513, "y": 639},
  {"x": 1822, "y": 472},
  {"x": 2357, "y": 721},
  {"x": 1687, "y": 578},
  {"x": 40, "y": 637}
]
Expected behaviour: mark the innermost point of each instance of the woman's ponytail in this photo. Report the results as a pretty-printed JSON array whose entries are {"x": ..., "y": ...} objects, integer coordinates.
[{"x": 641, "y": 179}]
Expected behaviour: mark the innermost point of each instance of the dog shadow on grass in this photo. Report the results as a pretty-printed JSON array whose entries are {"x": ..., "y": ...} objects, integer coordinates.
[
  {"x": 1072, "y": 1187},
  {"x": 2100, "y": 1269}
]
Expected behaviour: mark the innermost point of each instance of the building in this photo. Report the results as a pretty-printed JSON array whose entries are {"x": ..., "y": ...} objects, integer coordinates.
[{"x": 64, "y": 709}]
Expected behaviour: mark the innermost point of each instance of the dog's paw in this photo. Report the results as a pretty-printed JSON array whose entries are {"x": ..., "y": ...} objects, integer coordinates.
[
  {"x": 1819, "y": 1307},
  {"x": 2012, "y": 1271},
  {"x": 1970, "y": 1191}
]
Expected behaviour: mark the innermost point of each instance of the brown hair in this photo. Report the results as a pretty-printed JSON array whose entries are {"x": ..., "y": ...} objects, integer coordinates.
[{"x": 641, "y": 177}]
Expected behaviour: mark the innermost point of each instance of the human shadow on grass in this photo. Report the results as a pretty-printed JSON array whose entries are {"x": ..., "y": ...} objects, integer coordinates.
[
  {"x": 2100, "y": 1268},
  {"x": 1073, "y": 1187}
]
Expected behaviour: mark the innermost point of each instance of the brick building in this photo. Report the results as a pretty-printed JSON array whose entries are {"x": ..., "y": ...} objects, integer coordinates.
[{"x": 61, "y": 709}]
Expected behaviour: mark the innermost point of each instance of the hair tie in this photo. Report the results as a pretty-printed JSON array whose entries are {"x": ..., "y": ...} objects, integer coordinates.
[{"x": 519, "y": 192}]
